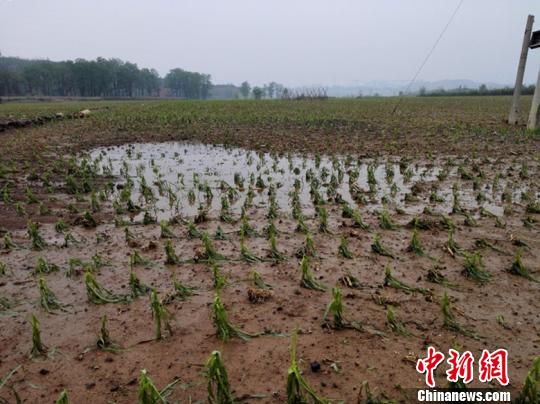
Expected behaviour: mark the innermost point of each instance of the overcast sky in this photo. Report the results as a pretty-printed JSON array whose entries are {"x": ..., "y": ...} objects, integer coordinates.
[{"x": 295, "y": 42}]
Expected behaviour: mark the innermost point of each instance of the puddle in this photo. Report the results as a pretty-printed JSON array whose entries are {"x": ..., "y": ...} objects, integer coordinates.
[{"x": 182, "y": 175}]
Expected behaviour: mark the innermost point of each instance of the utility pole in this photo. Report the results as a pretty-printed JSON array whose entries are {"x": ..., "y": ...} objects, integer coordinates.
[
  {"x": 534, "y": 116},
  {"x": 514, "y": 111}
]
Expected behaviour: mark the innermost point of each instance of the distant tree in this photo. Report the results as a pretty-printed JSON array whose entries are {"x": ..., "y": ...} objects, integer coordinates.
[
  {"x": 279, "y": 90},
  {"x": 422, "y": 91},
  {"x": 482, "y": 89},
  {"x": 245, "y": 88},
  {"x": 271, "y": 89},
  {"x": 186, "y": 84},
  {"x": 94, "y": 78},
  {"x": 257, "y": 93}
]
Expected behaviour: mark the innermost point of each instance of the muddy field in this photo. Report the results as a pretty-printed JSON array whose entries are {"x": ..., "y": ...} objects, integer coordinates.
[{"x": 264, "y": 208}]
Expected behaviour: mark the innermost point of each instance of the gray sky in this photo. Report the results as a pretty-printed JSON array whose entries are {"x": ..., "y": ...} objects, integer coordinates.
[{"x": 295, "y": 42}]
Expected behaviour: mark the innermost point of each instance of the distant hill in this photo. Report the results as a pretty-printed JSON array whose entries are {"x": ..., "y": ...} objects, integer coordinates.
[{"x": 389, "y": 88}]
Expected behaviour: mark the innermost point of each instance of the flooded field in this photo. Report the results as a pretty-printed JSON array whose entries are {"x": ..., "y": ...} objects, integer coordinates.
[
  {"x": 182, "y": 179},
  {"x": 129, "y": 261}
]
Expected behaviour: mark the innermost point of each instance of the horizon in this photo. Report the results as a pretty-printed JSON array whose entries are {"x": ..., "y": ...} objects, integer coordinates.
[{"x": 301, "y": 45}]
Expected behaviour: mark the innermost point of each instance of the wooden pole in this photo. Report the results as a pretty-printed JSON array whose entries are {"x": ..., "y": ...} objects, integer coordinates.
[
  {"x": 534, "y": 116},
  {"x": 514, "y": 111}
]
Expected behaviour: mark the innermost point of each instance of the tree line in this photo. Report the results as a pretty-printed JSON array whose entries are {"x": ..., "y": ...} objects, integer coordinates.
[
  {"x": 271, "y": 90},
  {"x": 96, "y": 78},
  {"x": 481, "y": 90}
]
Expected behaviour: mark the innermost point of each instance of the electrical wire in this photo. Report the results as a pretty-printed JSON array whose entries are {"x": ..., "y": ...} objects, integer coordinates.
[{"x": 429, "y": 54}]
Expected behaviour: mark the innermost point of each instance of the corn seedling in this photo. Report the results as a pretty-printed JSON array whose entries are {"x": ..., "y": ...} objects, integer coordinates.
[
  {"x": 219, "y": 280},
  {"x": 447, "y": 223},
  {"x": 270, "y": 230},
  {"x": 435, "y": 275},
  {"x": 87, "y": 220},
  {"x": 301, "y": 226},
  {"x": 44, "y": 267},
  {"x": 99, "y": 262},
  {"x": 166, "y": 231},
  {"x": 415, "y": 246},
  {"x": 246, "y": 229},
  {"x": 385, "y": 221},
  {"x": 378, "y": 248},
  {"x": 274, "y": 254},
  {"x": 36, "y": 240},
  {"x": 224, "y": 329},
  {"x": 6, "y": 194},
  {"x": 474, "y": 268},
  {"x": 469, "y": 220},
  {"x": 20, "y": 209},
  {"x": 5, "y": 304},
  {"x": 8, "y": 242},
  {"x": 47, "y": 299},
  {"x": 434, "y": 197},
  {"x": 323, "y": 219},
  {"x": 456, "y": 204},
  {"x": 136, "y": 287},
  {"x": 38, "y": 348},
  {"x": 98, "y": 294},
  {"x": 391, "y": 281},
  {"x": 335, "y": 308},
  {"x": 259, "y": 281},
  {"x": 94, "y": 202},
  {"x": 298, "y": 390},
  {"x": 104, "y": 341},
  {"x": 449, "y": 320},
  {"x": 533, "y": 207},
  {"x": 219, "y": 390},
  {"x": 529, "y": 222},
  {"x": 193, "y": 232},
  {"x": 128, "y": 235},
  {"x": 394, "y": 324},
  {"x": 148, "y": 218},
  {"x": 3, "y": 268},
  {"x": 245, "y": 254},
  {"x": 358, "y": 221},
  {"x": 307, "y": 280},
  {"x": 220, "y": 234},
  {"x": 210, "y": 253},
  {"x": 346, "y": 210},
  {"x": 350, "y": 281},
  {"x": 31, "y": 198},
  {"x": 160, "y": 315},
  {"x": 452, "y": 246},
  {"x": 181, "y": 292},
  {"x": 44, "y": 209},
  {"x": 69, "y": 239},
  {"x": 202, "y": 214},
  {"x": 421, "y": 223},
  {"x": 308, "y": 248},
  {"x": 483, "y": 243},
  {"x": 137, "y": 259},
  {"x": 63, "y": 398},
  {"x": 148, "y": 392},
  {"x": 519, "y": 269},
  {"x": 530, "y": 393},
  {"x": 343, "y": 249},
  {"x": 225, "y": 215},
  {"x": 170, "y": 254}
]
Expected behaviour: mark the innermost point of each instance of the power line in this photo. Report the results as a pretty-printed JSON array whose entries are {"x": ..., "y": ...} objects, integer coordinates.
[{"x": 429, "y": 54}]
